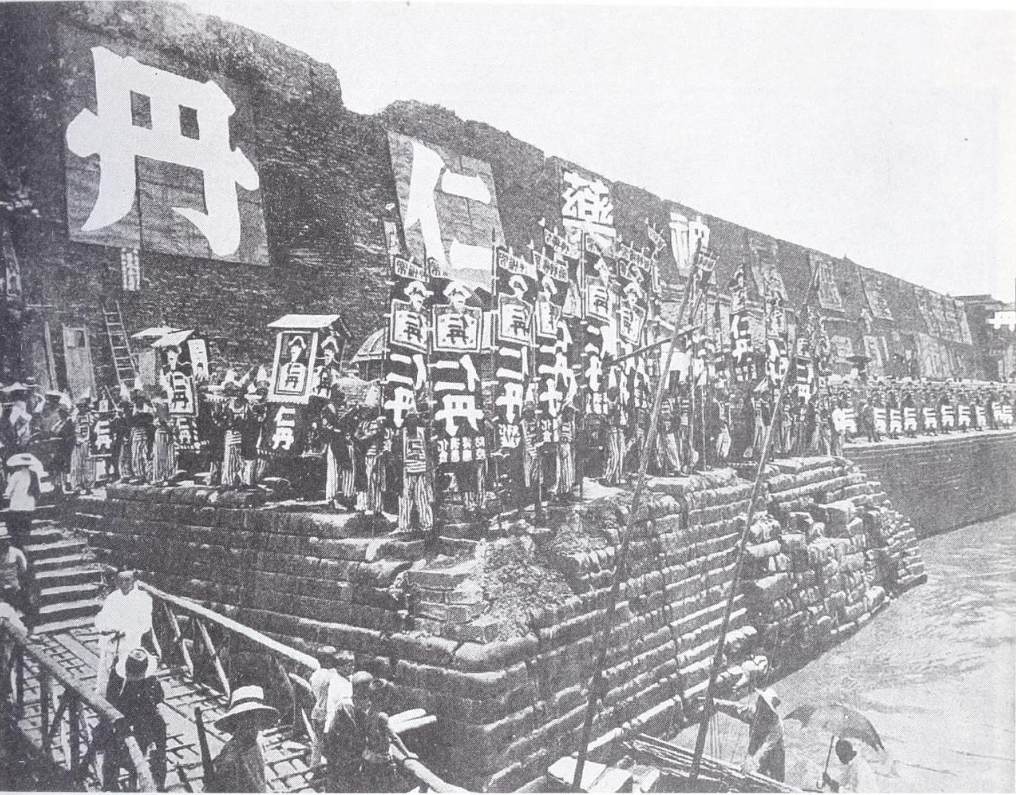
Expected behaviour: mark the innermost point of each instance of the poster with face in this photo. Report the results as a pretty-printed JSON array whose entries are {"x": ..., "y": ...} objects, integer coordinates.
[
  {"x": 408, "y": 325},
  {"x": 327, "y": 368},
  {"x": 458, "y": 327},
  {"x": 293, "y": 366},
  {"x": 198, "y": 359},
  {"x": 514, "y": 318}
]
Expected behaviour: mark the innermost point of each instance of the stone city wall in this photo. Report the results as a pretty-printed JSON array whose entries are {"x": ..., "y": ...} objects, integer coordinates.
[
  {"x": 945, "y": 482},
  {"x": 497, "y": 640}
]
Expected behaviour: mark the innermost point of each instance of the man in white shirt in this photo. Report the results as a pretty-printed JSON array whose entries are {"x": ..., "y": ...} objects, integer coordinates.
[
  {"x": 854, "y": 774},
  {"x": 331, "y": 688},
  {"x": 839, "y": 419},
  {"x": 125, "y": 617},
  {"x": 13, "y": 575}
]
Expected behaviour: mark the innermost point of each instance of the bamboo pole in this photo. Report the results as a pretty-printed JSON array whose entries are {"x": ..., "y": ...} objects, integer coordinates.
[
  {"x": 742, "y": 542},
  {"x": 626, "y": 538}
]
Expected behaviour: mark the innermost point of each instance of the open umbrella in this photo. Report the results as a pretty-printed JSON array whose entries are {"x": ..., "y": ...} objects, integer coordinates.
[{"x": 840, "y": 721}]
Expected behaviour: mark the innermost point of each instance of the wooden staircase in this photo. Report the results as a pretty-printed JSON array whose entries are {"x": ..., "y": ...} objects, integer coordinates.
[{"x": 119, "y": 343}]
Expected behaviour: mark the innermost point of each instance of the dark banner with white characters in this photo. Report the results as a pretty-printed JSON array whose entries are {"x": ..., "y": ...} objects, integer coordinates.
[
  {"x": 408, "y": 338},
  {"x": 515, "y": 300},
  {"x": 459, "y": 417}
]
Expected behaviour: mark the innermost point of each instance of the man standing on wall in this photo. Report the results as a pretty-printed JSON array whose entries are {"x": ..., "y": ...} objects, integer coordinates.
[{"x": 417, "y": 477}]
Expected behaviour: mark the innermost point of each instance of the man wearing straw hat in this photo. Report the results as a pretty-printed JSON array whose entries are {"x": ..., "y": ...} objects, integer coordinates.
[
  {"x": 136, "y": 693},
  {"x": 18, "y": 418},
  {"x": 240, "y": 765},
  {"x": 22, "y": 493}
]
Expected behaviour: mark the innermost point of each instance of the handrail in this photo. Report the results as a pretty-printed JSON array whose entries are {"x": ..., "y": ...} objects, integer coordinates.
[
  {"x": 193, "y": 607},
  {"x": 409, "y": 764},
  {"x": 106, "y": 712}
]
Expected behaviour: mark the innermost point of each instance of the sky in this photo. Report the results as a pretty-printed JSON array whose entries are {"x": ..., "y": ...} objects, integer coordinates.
[{"x": 887, "y": 135}]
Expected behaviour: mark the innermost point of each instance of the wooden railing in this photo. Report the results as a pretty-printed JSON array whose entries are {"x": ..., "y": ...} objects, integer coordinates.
[
  {"x": 46, "y": 711},
  {"x": 214, "y": 651}
]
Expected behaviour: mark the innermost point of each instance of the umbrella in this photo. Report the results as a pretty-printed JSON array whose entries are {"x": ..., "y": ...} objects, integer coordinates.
[{"x": 839, "y": 720}]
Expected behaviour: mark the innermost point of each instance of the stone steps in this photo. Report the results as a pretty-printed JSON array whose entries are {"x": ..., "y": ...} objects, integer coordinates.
[{"x": 69, "y": 581}]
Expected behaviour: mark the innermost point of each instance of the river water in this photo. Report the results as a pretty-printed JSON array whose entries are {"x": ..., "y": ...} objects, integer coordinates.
[{"x": 935, "y": 673}]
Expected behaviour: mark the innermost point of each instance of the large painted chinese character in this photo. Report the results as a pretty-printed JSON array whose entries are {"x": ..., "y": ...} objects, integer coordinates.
[
  {"x": 112, "y": 134},
  {"x": 449, "y": 210}
]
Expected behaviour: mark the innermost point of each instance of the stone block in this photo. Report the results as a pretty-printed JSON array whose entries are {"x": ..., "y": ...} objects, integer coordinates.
[{"x": 768, "y": 589}]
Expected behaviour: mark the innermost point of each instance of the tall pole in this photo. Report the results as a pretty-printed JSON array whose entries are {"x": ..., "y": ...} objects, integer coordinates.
[
  {"x": 619, "y": 564},
  {"x": 714, "y": 669}
]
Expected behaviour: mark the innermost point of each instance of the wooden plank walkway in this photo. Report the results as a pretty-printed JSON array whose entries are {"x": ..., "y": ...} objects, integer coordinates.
[{"x": 76, "y": 652}]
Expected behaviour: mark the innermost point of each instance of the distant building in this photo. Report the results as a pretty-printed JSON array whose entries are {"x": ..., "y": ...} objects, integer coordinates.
[{"x": 993, "y": 325}]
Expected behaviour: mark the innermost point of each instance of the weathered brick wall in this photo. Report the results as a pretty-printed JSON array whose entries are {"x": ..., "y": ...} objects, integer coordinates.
[
  {"x": 326, "y": 186},
  {"x": 824, "y": 556},
  {"x": 945, "y": 482},
  {"x": 325, "y": 183}
]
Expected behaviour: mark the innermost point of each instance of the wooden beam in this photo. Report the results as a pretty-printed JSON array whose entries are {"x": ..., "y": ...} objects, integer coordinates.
[
  {"x": 44, "y": 702},
  {"x": 178, "y": 639},
  {"x": 61, "y": 707},
  {"x": 219, "y": 670},
  {"x": 196, "y": 609}
]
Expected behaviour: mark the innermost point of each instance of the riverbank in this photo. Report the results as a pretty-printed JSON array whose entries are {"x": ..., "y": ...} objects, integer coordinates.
[{"x": 936, "y": 675}]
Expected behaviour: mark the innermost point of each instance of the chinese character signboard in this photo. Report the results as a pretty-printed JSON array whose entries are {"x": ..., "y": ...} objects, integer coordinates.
[
  {"x": 553, "y": 374},
  {"x": 308, "y": 349},
  {"x": 587, "y": 208},
  {"x": 874, "y": 291},
  {"x": 285, "y": 430},
  {"x": 516, "y": 288},
  {"x": 600, "y": 322},
  {"x": 159, "y": 155},
  {"x": 179, "y": 386},
  {"x": 293, "y": 365},
  {"x": 409, "y": 336},
  {"x": 450, "y": 217},
  {"x": 458, "y": 334},
  {"x": 828, "y": 293},
  {"x": 100, "y": 440},
  {"x": 185, "y": 432}
]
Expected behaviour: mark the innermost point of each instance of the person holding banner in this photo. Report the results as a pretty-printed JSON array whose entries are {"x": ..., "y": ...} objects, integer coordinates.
[
  {"x": 531, "y": 462},
  {"x": 370, "y": 438},
  {"x": 615, "y": 438},
  {"x": 82, "y": 469},
  {"x": 668, "y": 442},
  {"x": 140, "y": 425},
  {"x": 335, "y": 418},
  {"x": 63, "y": 432},
  {"x": 566, "y": 454},
  {"x": 163, "y": 445},
  {"x": 417, "y": 477}
]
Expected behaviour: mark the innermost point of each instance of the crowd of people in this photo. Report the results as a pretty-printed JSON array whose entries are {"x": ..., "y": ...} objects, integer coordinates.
[
  {"x": 364, "y": 465},
  {"x": 352, "y": 733}
]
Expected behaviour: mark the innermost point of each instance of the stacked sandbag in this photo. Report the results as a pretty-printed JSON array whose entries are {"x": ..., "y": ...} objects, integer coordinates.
[
  {"x": 280, "y": 571},
  {"x": 506, "y": 670},
  {"x": 836, "y": 555}
]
